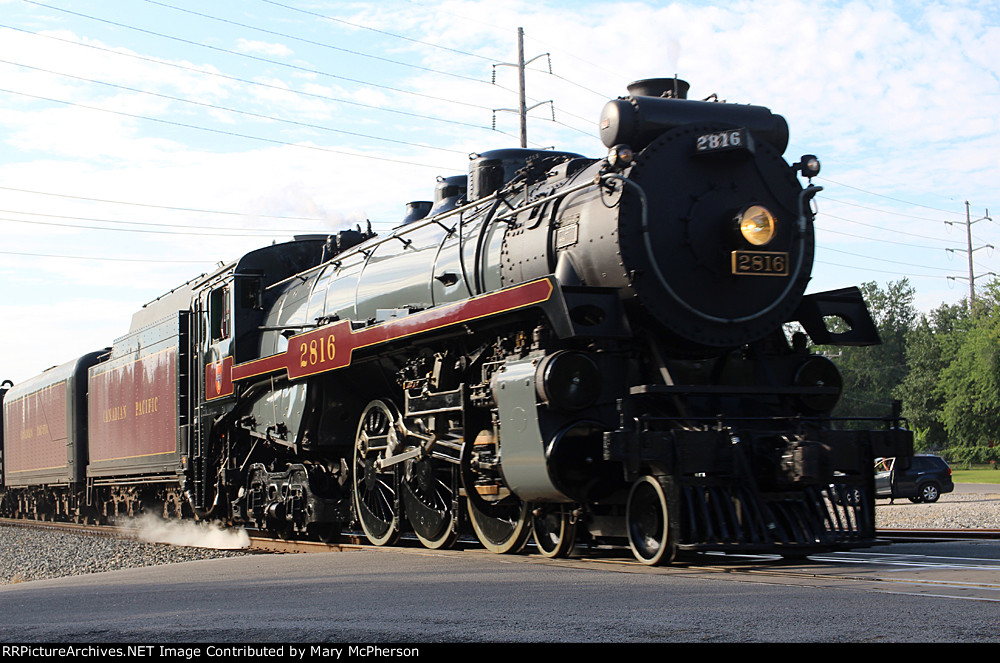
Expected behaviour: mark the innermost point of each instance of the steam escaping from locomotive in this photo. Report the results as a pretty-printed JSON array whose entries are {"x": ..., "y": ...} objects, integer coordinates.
[
  {"x": 579, "y": 351},
  {"x": 194, "y": 534}
]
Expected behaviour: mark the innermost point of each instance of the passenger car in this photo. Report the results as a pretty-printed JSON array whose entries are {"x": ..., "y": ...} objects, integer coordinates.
[{"x": 922, "y": 480}]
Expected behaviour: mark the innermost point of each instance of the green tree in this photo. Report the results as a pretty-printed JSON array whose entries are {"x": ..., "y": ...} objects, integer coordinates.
[
  {"x": 969, "y": 383},
  {"x": 872, "y": 373},
  {"x": 930, "y": 348}
]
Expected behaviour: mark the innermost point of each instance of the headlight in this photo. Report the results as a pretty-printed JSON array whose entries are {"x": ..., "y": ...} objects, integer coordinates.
[
  {"x": 620, "y": 157},
  {"x": 757, "y": 225}
]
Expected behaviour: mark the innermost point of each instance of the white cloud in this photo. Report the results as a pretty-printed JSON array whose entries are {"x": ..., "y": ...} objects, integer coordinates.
[
  {"x": 898, "y": 101},
  {"x": 263, "y": 48}
]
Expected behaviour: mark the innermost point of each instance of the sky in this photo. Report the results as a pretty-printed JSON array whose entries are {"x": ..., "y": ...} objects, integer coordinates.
[{"x": 144, "y": 141}]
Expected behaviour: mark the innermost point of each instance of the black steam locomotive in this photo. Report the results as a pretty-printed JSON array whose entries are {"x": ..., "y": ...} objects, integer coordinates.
[{"x": 587, "y": 350}]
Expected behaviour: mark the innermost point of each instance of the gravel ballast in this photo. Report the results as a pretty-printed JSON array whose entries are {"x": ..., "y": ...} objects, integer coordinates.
[
  {"x": 33, "y": 554},
  {"x": 952, "y": 511},
  {"x": 28, "y": 553}
]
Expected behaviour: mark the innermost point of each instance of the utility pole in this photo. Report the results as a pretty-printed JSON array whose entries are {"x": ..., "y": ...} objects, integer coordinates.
[
  {"x": 522, "y": 109},
  {"x": 968, "y": 234}
]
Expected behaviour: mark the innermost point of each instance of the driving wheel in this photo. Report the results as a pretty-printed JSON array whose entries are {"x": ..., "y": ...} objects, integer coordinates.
[
  {"x": 500, "y": 519},
  {"x": 429, "y": 492},
  {"x": 502, "y": 528},
  {"x": 376, "y": 495}
]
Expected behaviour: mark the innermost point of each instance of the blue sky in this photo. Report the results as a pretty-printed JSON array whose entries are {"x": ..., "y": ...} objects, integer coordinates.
[{"x": 143, "y": 141}]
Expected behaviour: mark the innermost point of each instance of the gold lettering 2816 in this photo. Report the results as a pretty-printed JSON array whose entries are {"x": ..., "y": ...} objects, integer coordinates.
[{"x": 317, "y": 351}]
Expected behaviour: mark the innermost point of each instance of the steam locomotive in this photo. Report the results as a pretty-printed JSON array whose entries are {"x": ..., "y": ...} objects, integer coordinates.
[{"x": 583, "y": 351}]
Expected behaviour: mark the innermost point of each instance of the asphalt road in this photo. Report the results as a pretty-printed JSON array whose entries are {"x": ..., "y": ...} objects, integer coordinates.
[{"x": 418, "y": 596}]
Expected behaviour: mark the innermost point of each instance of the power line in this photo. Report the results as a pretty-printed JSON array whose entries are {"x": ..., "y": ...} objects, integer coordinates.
[
  {"x": 881, "y": 260},
  {"x": 245, "y": 81},
  {"x": 165, "y": 207},
  {"x": 880, "y": 195},
  {"x": 266, "y": 232},
  {"x": 881, "y": 211},
  {"x": 586, "y": 62},
  {"x": 875, "y": 239},
  {"x": 141, "y": 230},
  {"x": 493, "y": 26},
  {"x": 446, "y": 48},
  {"x": 382, "y": 32},
  {"x": 313, "y": 43},
  {"x": 276, "y": 63},
  {"x": 53, "y": 255},
  {"x": 881, "y": 271},
  {"x": 895, "y": 232},
  {"x": 286, "y": 65},
  {"x": 306, "y": 125},
  {"x": 582, "y": 87},
  {"x": 229, "y": 133}
]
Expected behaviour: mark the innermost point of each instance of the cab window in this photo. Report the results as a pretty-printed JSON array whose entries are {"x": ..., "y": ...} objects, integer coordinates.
[{"x": 219, "y": 313}]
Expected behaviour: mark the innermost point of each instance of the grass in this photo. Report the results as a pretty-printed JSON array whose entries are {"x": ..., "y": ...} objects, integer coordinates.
[{"x": 975, "y": 475}]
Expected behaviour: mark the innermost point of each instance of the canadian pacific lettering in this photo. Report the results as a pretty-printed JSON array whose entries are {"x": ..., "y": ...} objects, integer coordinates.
[
  {"x": 116, "y": 413},
  {"x": 147, "y": 406}
]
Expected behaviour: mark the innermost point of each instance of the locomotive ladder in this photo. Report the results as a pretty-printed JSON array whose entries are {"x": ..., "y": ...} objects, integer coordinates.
[{"x": 190, "y": 399}]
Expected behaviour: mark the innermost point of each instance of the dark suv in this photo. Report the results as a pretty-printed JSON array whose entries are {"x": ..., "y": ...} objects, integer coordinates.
[{"x": 923, "y": 481}]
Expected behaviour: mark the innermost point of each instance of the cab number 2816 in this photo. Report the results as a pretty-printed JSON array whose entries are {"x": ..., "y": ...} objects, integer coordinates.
[{"x": 317, "y": 351}]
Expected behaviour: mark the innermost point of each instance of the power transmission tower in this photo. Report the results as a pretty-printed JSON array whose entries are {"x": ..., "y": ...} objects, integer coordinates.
[
  {"x": 522, "y": 109},
  {"x": 968, "y": 234}
]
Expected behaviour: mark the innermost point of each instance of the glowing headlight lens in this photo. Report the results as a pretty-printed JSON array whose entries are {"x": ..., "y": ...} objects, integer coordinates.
[{"x": 757, "y": 225}]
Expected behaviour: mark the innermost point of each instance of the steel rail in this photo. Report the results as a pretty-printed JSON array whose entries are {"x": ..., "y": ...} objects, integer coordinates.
[
  {"x": 933, "y": 534},
  {"x": 259, "y": 543},
  {"x": 276, "y": 545}
]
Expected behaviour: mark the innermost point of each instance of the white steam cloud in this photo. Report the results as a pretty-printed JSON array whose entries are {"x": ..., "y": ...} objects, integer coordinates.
[{"x": 195, "y": 534}]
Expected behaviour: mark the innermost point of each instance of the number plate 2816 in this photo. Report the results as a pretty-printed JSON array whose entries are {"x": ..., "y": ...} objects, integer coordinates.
[
  {"x": 732, "y": 139},
  {"x": 760, "y": 263}
]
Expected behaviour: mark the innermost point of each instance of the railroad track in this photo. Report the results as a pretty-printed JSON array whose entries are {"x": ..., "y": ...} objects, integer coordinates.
[
  {"x": 98, "y": 530},
  {"x": 356, "y": 542},
  {"x": 928, "y": 534},
  {"x": 275, "y": 545},
  {"x": 261, "y": 543}
]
